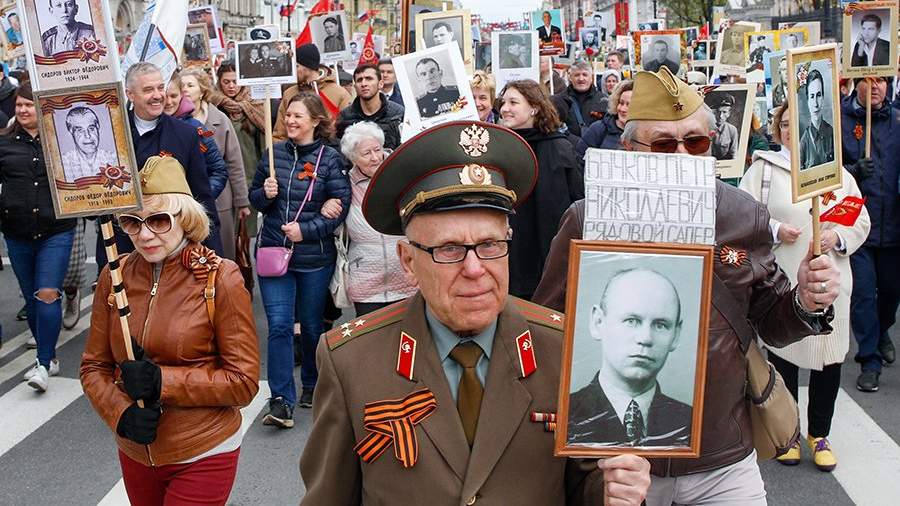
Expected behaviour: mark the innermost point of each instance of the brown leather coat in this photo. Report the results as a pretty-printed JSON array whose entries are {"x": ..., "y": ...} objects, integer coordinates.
[
  {"x": 209, "y": 369},
  {"x": 759, "y": 285}
]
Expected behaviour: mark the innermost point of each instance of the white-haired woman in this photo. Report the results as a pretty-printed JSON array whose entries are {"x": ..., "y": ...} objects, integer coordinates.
[{"x": 376, "y": 278}]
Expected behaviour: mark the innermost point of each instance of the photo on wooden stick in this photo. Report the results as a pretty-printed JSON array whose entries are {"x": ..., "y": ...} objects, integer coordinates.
[
  {"x": 88, "y": 151},
  {"x": 265, "y": 62},
  {"x": 732, "y": 106},
  {"x": 196, "y": 51},
  {"x": 730, "y": 58},
  {"x": 331, "y": 34},
  {"x": 870, "y": 39},
  {"x": 657, "y": 48},
  {"x": 549, "y": 23},
  {"x": 209, "y": 16},
  {"x": 436, "y": 28},
  {"x": 634, "y": 352},
  {"x": 815, "y": 120}
]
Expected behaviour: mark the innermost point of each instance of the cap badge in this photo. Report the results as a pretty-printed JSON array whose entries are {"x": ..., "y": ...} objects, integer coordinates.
[
  {"x": 474, "y": 174},
  {"x": 474, "y": 140},
  {"x": 678, "y": 106}
]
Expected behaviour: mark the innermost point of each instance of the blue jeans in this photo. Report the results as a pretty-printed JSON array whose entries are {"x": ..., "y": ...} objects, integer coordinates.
[
  {"x": 279, "y": 296},
  {"x": 873, "y": 304},
  {"x": 40, "y": 264}
]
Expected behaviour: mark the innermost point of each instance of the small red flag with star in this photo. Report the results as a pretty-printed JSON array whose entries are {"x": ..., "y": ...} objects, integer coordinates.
[
  {"x": 845, "y": 212},
  {"x": 527, "y": 359}
]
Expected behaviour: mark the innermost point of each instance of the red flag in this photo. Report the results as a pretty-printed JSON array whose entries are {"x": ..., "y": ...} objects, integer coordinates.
[
  {"x": 368, "y": 56},
  {"x": 332, "y": 108},
  {"x": 321, "y": 7},
  {"x": 621, "y": 18},
  {"x": 704, "y": 32},
  {"x": 844, "y": 212}
]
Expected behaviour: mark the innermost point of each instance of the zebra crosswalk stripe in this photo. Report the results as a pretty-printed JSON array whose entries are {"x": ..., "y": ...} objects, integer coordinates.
[{"x": 24, "y": 409}]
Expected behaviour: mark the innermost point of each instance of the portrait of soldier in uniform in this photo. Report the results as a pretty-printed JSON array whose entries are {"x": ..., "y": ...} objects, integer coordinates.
[
  {"x": 68, "y": 30},
  {"x": 869, "y": 49},
  {"x": 334, "y": 37},
  {"x": 760, "y": 46},
  {"x": 661, "y": 52},
  {"x": 438, "y": 98},
  {"x": 87, "y": 157},
  {"x": 444, "y": 30},
  {"x": 727, "y": 137},
  {"x": 637, "y": 321},
  {"x": 778, "y": 90},
  {"x": 515, "y": 52},
  {"x": 817, "y": 137},
  {"x": 733, "y": 45}
]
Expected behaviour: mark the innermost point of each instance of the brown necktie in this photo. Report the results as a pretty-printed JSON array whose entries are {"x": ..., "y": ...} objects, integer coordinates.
[{"x": 468, "y": 397}]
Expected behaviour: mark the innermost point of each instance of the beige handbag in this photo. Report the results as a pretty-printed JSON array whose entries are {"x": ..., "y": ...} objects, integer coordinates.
[{"x": 774, "y": 414}]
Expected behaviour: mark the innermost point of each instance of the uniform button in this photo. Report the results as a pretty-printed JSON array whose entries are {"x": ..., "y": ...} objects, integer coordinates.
[
  {"x": 35, "y": 210},
  {"x": 472, "y": 500},
  {"x": 35, "y": 183},
  {"x": 34, "y": 159}
]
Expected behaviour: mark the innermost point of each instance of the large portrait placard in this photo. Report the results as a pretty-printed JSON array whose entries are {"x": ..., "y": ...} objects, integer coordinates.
[
  {"x": 549, "y": 24},
  {"x": 732, "y": 107},
  {"x": 634, "y": 352},
  {"x": 265, "y": 62},
  {"x": 331, "y": 34},
  {"x": 88, "y": 152},
  {"x": 815, "y": 120},
  {"x": 11, "y": 31},
  {"x": 870, "y": 39},
  {"x": 436, "y": 28},
  {"x": 657, "y": 48},
  {"x": 514, "y": 55},
  {"x": 88, "y": 55},
  {"x": 730, "y": 48}
]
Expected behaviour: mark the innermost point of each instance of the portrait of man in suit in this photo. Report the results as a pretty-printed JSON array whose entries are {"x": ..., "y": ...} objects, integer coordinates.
[
  {"x": 87, "y": 157},
  {"x": 68, "y": 30},
  {"x": 637, "y": 321},
  {"x": 546, "y": 31},
  {"x": 870, "y": 49}
]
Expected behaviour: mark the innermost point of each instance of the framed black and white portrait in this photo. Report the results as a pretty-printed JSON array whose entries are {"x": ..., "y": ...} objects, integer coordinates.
[
  {"x": 331, "y": 34},
  {"x": 815, "y": 120},
  {"x": 756, "y": 46},
  {"x": 195, "y": 50},
  {"x": 515, "y": 56},
  {"x": 870, "y": 39},
  {"x": 775, "y": 68},
  {"x": 434, "y": 87},
  {"x": 657, "y": 49},
  {"x": 634, "y": 352},
  {"x": 265, "y": 62},
  {"x": 209, "y": 16},
  {"x": 730, "y": 58},
  {"x": 732, "y": 107},
  {"x": 590, "y": 38},
  {"x": 446, "y": 27}
]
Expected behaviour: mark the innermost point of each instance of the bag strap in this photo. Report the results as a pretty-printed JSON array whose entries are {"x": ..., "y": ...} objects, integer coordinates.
[
  {"x": 766, "y": 184},
  {"x": 728, "y": 305},
  {"x": 576, "y": 109},
  {"x": 312, "y": 184},
  {"x": 209, "y": 293}
]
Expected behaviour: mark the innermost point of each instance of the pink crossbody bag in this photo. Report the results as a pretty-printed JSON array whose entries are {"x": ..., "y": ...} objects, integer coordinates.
[{"x": 273, "y": 261}]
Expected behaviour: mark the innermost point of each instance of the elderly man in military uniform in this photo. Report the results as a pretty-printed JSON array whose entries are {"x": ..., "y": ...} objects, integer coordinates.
[
  {"x": 68, "y": 32},
  {"x": 817, "y": 141},
  {"x": 456, "y": 402},
  {"x": 666, "y": 115},
  {"x": 727, "y": 137},
  {"x": 438, "y": 99},
  {"x": 87, "y": 159}
]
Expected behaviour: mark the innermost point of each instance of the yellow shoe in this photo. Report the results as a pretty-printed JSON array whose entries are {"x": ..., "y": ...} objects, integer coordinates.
[
  {"x": 792, "y": 457},
  {"x": 822, "y": 454}
]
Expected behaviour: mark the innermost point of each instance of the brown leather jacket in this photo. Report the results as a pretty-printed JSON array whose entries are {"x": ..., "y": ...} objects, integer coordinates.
[
  {"x": 209, "y": 369},
  {"x": 759, "y": 285}
]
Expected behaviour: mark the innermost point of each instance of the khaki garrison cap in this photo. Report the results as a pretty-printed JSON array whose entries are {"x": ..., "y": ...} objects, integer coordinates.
[
  {"x": 163, "y": 174},
  {"x": 660, "y": 96},
  {"x": 455, "y": 165}
]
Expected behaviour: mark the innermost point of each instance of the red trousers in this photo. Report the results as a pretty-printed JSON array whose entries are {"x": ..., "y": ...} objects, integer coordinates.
[{"x": 206, "y": 481}]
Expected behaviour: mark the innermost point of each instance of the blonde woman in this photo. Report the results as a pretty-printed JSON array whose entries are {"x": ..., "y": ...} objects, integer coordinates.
[{"x": 484, "y": 88}]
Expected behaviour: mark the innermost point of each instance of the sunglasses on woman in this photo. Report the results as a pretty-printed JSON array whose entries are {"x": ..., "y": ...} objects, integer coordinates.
[
  {"x": 158, "y": 223},
  {"x": 696, "y": 145}
]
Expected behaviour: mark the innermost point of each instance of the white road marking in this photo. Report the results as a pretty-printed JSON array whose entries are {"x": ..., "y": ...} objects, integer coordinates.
[
  {"x": 89, "y": 260},
  {"x": 25, "y": 410}
]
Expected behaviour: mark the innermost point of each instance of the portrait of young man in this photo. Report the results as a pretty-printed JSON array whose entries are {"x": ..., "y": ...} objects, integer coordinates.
[
  {"x": 870, "y": 49},
  {"x": 817, "y": 135},
  {"x": 727, "y": 138},
  {"x": 68, "y": 30},
  {"x": 661, "y": 53},
  {"x": 334, "y": 36},
  {"x": 515, "y": 52},
  {"x": 438, "y": 98}
]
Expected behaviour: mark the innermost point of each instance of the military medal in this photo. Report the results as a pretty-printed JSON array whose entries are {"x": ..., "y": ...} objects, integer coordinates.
[
  {"x": 527, "y": 360},
  {"x": 406, "y": 356}
]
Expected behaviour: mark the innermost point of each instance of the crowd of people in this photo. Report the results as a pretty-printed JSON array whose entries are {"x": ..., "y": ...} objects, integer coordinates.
[{"x": 200, "y": 141}]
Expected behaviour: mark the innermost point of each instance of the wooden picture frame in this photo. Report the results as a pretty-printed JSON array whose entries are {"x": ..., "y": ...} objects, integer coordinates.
[
  {"x": 199, "y": 55},
  {"x": 884, "y": 54},
  {"x": 812, "y": 172},
  {"x": 730, "y": 157},
  {"x": 643, "y": 46},
  {"x": 74, "y": 121},
  {"x": 13, "y": 40},
  {"x": 431, "y": 31},
  {"x": 671, "y": 361}
]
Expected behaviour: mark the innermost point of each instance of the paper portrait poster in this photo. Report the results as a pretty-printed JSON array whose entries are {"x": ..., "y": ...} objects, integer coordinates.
[
  {"x": 549, "y": 24},
  {"x": 730, "y": 58},
  {"x": 266, "y": 62},
  {"x": 775, "y": 68},
  {"x": 209, "y": 16},
  {"x": 357, "y": 43},
  {"x": 793, "y": 38},
  {"x": 757, "y": 45},
  {"x": 655, "y": 49},
  {"x": 436, "y": 28},
  {"x": 870, "y": 39},
  {"x": 515, "y": 56},
  {"x": 700, "y": 53},
  {"x": 87, "y": 146},
  {"x": 331, "y": 34},
  {"x": 11, "y": 31},
  {"x": 815, "y": 120},
  {"x": 69, "y": 43},
  {"x": 732, "y": 107},
  {"x": 434, "y": 87},
  {"x": 634, "y": 353},
  {"x": 195, "y": 50}
]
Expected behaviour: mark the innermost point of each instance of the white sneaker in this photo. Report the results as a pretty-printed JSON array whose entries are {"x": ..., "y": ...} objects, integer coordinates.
[
  {"x": 31, "y": 343},
  {"x": 40, "y": 379},
  {"x": 53, "y": 371},
  {"x": 71, "y": 310}
]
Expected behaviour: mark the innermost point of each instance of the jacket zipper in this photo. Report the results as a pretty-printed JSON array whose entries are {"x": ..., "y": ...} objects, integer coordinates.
[
  {"x": 287, "y": 204},
  {"x": 156, "y": 275}
]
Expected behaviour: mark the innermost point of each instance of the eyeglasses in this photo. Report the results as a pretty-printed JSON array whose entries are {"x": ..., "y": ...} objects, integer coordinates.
[
  {"x": 697, "y": 145},
  {"x": 783, "y": 125},
  {"x": 158, "y": 223},
  {"x": 455, "y": 253}
]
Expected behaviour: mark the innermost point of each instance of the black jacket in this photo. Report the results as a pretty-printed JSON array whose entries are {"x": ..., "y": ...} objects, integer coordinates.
[
  {"x": 25, "y": 202},
  {"x": 388, "y": 117},
  {"x": 536, "y": 220},
  {"x": 590, "y": 106}
]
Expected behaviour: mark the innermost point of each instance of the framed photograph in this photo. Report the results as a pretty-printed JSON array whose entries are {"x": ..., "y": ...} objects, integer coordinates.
[
  {"x": 700, "y": 52},
  {"x": 603, "y": 25},
  {"x": 436, "y": 28},
  {"x": 434, "y": 79},
  {"x": 761, "y": 110},
  {"x": 691, "y": 34},
  {"x": 90, "y": 55},
  {"x": 813, "y": 31},
  {"x": 815, "y": 120},
  {"x": 11, "y": 31},
  {"x": 732, "y": 106},
  {"x": 410, "y": 10},
  {"x": 357, "y": 43},
  {"x": 756, "y": 46},
  {"x": 266, "y": 62},
  {"x": 775, "y": 69},
  {"x": 196, "y": 51},
  {"x": 87, "y": 146},
  {"x": 792, "y": 38},
  {"x": 483, "y": 56},
  {"x": 263, "y": 32},
  {"x": 590, "y": 38},
  {"x": 548, "y": 24},
  {"x": 634, "y": 353},
  {"x": 209, "y": 16},
  {"x": 331, "y": 34},
  {"x": 730, "y": 58},
  {"x": 870, "y": 39},
  {"x": 655, "y": 49},
  {"x": 515, "y": 55}
]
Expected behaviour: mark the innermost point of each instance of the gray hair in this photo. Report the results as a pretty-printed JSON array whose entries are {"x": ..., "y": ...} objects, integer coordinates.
[
  {"x": 581, "y": 65},
  {"x": 358, "y": 132},
  {"x": 77, "y": 112},
  {"x": 631, "y": 127},
  {"x": 139, "y": 69}
]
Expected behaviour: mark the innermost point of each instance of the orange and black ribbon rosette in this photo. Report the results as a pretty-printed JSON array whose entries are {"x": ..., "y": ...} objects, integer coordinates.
[{"x": 394, "y": 422}]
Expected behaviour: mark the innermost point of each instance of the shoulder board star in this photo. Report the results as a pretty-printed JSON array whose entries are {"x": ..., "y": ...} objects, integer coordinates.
[
  {"x": 351, "y": 330},
  {"x": 540, "y": 315}
]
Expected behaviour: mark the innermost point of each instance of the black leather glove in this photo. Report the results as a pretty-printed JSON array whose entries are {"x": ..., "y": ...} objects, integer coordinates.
[
  {"x": 141, "y": 378},
  {"x": 862, "y": 169},
  {"x": 139, "y": 424}
]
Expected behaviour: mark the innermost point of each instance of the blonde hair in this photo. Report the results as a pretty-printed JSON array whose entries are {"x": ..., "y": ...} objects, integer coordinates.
[
  {"x": 189, "y": 213},
  {"x": 775, "y": 126},
  {"x": 623, "y": 86},
  {"x": 202, "y": 81},
  {"x": 485, "y": 81}
]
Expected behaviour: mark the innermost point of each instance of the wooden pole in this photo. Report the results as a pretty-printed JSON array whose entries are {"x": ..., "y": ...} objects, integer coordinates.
[
  {"x": 816, "y": 228},
  {"x": 118, "y": 289},
  {"x": 869, "y": 83},
  {"x": 267, "y": 112}
]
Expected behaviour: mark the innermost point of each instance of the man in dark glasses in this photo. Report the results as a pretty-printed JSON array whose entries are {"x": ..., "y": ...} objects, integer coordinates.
[{"x": 666, "y": 115}]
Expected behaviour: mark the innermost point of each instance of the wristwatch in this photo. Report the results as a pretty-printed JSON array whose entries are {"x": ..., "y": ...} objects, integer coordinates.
[{"x": 812, "y": 316}]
